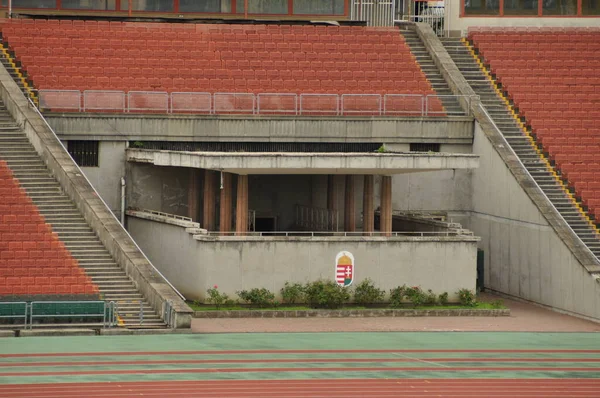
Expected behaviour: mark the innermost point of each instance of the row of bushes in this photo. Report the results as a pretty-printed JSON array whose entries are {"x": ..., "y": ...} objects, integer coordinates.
[{"x": 328, "y": 294}]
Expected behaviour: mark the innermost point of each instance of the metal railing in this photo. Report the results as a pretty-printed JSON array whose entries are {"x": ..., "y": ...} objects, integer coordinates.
[
  {"x": 317, "y": 219},
  {"x": 38, "y": 310},
  {"x": 314, "y": 234},
  {"x": 374, "y": 12},
  {"x": 512, "y": 151},
  {"x": 162, "y": 214},
  {"x": 304, "y": 104},
  {"x": 82, "y": 174}
]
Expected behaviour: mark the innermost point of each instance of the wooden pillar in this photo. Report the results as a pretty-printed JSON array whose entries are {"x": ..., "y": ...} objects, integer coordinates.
[
  {"x": 226, "y": 204},
  {"x": 241, "y": 210},
  {"x": 349, "y": 205},
  {"x": 208, "y": 210},
  {"x": 368, "y": 210},
  {"x": 193, "y": 194},
  {"x": 385, "y": 220}
]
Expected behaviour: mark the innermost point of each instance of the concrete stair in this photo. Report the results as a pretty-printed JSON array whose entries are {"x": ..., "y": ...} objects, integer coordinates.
[
  {"x": 513, "y": 133},
  {"x": 66, "y": 220},
  {"x": 437, "y": 81}
]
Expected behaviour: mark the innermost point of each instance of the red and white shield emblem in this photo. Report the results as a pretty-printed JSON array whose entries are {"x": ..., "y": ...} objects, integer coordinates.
[{"x": 344, "y": 269}]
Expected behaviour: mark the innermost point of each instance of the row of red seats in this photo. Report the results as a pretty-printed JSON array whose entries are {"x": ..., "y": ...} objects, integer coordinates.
[
  {"x": 508, "y": 69},
  {"x": 45, "y": 280},
  {"x": 96, "y": 72},
  {"x": 137, "y": 49},
  {"x": 557, "y": 55},
  {"x": 41, "y": 263},
  {"x": 256, "y": 86},
  {"x": 555, "y": 114},
  {"x": 538, "y": 105},
  {"x": 585, "y": 99},
  {"x": 528, "y": 46},
  {"x": 48, "y": 289},
  {"x": 158, "y": 40},
  {"x": 252, "y": 58},
  {"x": 570, "y": 141},
  {"x": 9, "y": 270}
]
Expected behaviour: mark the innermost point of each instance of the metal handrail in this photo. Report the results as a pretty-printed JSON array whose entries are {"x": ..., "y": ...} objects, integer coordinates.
[
  {"x": 334, "y": 233},
  {"x": 215, "y": 100},
  {"x": 101, "y": 199},
  {"x": 507, "y": 145},
  {"x": 162, "y": 214}
]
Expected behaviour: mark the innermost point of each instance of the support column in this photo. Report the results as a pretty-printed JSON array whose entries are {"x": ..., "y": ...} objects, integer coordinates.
[
  {"x": 349, "y": 205},
  {"x": 368, "y": 210},
  {"x": 226, "y": 204},
  {"x": 208, "y": 210},
  {"x": 385, "y": 220},
  {"x": 331, "y": 193},
  {"x": 193, "y": 193},
  {"x": 241, "y": 210}
]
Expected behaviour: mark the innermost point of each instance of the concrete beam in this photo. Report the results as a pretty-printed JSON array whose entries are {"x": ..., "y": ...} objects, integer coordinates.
[
  {"x": 388, "y": 130},
  {"x": 306, "y": 163}
]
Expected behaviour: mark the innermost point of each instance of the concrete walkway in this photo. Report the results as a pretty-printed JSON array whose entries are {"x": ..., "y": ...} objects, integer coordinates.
[{"x": 524, "y": 317}]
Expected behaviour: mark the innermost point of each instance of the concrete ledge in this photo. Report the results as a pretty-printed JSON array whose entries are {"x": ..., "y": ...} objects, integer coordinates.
[
  {"x": 306, "y": 163},
  {"x": 346, "y": 313},
  {"x": 57, "y": 332},
  {"x": 7, "y": 333},
  {"x": 141, "y": 332},
  {"x": 144, "y": 127}
]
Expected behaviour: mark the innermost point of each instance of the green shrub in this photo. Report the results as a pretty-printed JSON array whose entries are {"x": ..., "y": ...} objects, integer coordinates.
[
  {"x": 497, "y": 304},
  {"x": 397, "y": 296},
  {"x": 261, "y": 298},
  {"x": 217, "y": 298},
  {"x": 430, "y": 298},
  {"x": 293, "y": 293},
  {"x": 443, "y": 298},
  {"x": 467, "y": 298},
  {"x": 415, "y": 295},
  {"x": 326, "y": 294},
  {"x": 366, "y": 293}
]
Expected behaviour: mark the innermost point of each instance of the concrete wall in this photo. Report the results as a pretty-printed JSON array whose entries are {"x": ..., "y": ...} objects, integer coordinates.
[
  {"x": 158, "y": 188},
  {"x": 234, "y": 264},
  {"x": 107, "y": 177},
  {"x": 456, "y": 130},
  {"x": 524, "y": 256}
]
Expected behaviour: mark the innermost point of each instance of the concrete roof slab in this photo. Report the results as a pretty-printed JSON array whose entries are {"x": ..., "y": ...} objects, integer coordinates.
[{"x": 306, "y": 163}]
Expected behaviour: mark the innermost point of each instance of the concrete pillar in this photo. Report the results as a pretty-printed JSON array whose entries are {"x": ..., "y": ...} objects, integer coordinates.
[
  {"x": 349, "y": 205},
  {"x": 241, "y": 210},
  {"x": 208, "y": 210},
  {"x": 193, "y": 194},
  {"x": 331, "y": 193},
  {"x": 385, "y": 220},
  {"x": 368, "y": 210},
  {"x": 226, "y": 204}
]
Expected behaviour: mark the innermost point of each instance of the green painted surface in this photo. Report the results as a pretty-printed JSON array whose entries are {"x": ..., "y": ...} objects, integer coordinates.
[{"x": 413, "y": 364}]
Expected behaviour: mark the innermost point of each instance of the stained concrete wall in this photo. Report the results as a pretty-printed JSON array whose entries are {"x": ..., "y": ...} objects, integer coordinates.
[
  {"x": 106, "y": 178},
  {"x": 162, "y": 189},
  {"x": 193, "y": 266},
  {"x": 524, "y": 256},
  {"x": 456, "y": 130}
]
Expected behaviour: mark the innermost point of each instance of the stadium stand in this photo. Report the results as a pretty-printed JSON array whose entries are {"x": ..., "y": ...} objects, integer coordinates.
[
  {"x": 205, "y": 58},
  {"x": 553, "y": 77},
  {"x": 33, "y": 261}
]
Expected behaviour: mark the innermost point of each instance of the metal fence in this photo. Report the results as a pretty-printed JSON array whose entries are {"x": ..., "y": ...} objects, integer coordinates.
[
  {"x": 274, "y": 234},
  {"x": 249, "y": 104},
  {"x": 317, "y": 219},
  {"x": 374, "y": 12},
  {"x": 25, "y": 313}
]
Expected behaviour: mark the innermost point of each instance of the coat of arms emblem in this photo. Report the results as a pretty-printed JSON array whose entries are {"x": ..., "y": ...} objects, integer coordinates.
[{"x": 344, "y": 269}]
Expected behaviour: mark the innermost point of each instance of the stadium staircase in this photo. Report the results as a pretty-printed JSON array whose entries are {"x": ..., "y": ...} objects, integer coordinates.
[
  {"x": 521, "y": 141},
  {"x": 66, "y": 220},
  {"x": 431, "y": 71}
]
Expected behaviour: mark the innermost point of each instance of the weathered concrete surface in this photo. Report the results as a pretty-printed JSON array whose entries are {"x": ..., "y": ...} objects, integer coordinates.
[
  {"x": 454, "y": 130},
  {"x": 7, "y": 333},
  {"x": 117, "y": 241},
  {"x": 530, "y": 250},
  {"x": 195, "y": 263},
  {"x": 56, "y": 332},
  {"x": 306, "y": 163}
]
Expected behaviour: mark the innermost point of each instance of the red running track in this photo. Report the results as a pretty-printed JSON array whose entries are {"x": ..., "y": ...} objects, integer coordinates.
[{"x": 514, "y": 388}]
